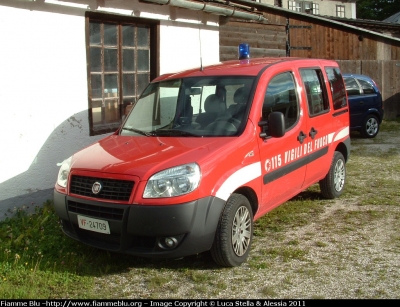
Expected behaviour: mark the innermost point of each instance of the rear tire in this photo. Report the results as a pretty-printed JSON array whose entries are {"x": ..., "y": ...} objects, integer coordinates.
[
  {"x": 370, "y": 126},
  {"x": 234, "y": 233},
  {"x": 332, "y": 185}
]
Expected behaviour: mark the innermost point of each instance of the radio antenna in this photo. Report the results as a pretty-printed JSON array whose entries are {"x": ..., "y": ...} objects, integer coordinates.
[{"x": 201, "y": 57}]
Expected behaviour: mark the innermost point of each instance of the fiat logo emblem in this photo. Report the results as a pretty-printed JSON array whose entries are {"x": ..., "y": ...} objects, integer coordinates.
[{"x": 96, "y": 188}]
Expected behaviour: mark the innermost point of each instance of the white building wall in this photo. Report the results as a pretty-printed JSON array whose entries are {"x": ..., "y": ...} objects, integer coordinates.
[
  {"x": 44, "y": 96},
  {"x": 353, "y": 11},
  {"x": 271, "y": 2},
  {"x": 189, "y": 47},
  {"x": 326, "y": 7}
]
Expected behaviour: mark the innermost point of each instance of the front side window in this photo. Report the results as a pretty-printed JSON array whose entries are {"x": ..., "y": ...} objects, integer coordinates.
[
  {"x": 314, "y": 85},
  {"x": 192, "y": 107},
  {"x": 337, "y": 87},
  {"x": 280, "y": 96},
  {"x": 119, "y": 70}
]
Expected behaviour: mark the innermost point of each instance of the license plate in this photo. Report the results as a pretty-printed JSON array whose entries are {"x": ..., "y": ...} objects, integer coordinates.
[{"x": 91, "y": 224}]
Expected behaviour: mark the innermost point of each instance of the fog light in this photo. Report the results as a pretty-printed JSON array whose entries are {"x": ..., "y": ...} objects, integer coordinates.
[{"x": 169, "y": 242}]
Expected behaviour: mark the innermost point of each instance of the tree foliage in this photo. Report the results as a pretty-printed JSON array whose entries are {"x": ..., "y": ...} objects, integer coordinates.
[{"x": 377, "y": 9}]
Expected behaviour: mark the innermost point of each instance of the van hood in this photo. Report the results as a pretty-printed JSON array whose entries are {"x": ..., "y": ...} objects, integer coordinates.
[{"x": 143, "y": 156}]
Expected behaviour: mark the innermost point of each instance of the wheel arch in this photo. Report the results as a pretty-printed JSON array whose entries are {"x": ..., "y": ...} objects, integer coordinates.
[
  {"x": 344, "y": 150},
  {"x": 251, "y": 195},
  {"x": 374, "y": 112}
]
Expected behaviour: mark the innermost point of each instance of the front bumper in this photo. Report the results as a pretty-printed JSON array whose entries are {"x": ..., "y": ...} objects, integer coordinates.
[{"x": 141, "y": 229}]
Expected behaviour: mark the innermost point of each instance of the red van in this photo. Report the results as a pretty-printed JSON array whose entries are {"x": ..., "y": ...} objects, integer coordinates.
[{"x": 206, "y": 152}]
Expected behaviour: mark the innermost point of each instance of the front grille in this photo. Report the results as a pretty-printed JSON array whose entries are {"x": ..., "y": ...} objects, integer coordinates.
[
  {"x": 112, "y": 189},
  {"x": 105, "y": 212}
]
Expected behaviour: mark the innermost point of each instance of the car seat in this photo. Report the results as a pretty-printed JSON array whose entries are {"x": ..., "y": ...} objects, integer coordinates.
[
  {"x": 212, "y": 107},
  {"x": 238, "y": 107}
]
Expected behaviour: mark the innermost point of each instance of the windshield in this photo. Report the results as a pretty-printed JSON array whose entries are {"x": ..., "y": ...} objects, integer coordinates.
[{"x": 206, "y": 106}]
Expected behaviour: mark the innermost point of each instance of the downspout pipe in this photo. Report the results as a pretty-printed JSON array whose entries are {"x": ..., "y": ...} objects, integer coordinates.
[{"x": 211, "y": 8}]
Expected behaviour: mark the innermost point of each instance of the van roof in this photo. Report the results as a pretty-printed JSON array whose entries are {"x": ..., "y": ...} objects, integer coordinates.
[{"x": 249, "y": 67}]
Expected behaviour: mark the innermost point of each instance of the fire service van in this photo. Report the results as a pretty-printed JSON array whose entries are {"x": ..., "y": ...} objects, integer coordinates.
[{"x": 203, "y": 154}]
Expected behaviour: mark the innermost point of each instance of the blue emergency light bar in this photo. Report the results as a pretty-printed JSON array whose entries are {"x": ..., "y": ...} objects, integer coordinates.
[{"x": 244, "y": 51}]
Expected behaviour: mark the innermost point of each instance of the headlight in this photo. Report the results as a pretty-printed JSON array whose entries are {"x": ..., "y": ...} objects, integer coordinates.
[
  {"x": 174, "y": 181},
  {"x": 63, "y": 173}
]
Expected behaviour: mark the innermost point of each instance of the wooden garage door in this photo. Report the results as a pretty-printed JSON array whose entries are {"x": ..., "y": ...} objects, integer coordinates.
[{"x": 299, "y": 38}]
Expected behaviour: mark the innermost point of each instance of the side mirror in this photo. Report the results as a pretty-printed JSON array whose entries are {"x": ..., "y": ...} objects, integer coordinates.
[{"x": 275, "y": 126}]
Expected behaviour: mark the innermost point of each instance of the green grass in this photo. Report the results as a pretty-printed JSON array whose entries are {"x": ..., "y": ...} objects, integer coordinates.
[
  {"x": 38, "y": 261},
  {"x": 33, "y": 251},
  {"x": 296, "y": 212},
  {"x": 390, "y": 125}
]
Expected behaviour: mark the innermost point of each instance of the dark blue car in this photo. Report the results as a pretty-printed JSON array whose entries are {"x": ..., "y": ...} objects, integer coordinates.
[{"x": 365, "y": 102}]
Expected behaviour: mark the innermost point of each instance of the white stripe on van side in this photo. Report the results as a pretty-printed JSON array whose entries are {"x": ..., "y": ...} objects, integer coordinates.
[
  {"x": 239, "y": 178},
  {"x": 343, "y": 133},
  {"x": 330, "y": 137}
]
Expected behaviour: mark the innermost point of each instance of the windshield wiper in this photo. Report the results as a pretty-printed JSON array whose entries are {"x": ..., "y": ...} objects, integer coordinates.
[
  {"x": 173, "y": 132},
  {"x": 139, "y": 131}
]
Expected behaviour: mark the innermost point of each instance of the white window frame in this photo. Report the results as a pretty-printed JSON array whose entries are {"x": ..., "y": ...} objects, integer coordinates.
[
  {"x": 293, "y": 6},
  {"x": 315, "y": 8},
  {"x": 299, "y": 6},
  {"x": 340, "y": 11},
  {"x": 303, "y": 4}
]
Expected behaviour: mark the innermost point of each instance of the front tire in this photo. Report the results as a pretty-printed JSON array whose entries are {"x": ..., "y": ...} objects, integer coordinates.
[
  {"x": 332, "y": 185},
  {"x": 234, "y": 233},
  {"x": 370, "y": 126}
]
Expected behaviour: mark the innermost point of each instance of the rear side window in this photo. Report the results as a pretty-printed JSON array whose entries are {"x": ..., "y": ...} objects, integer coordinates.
[
  {"x": 337, "y": 87},
  {"x": 356, "y": 86},
  {"x": 281, "y": 97},
  {"x": 352, "y": 87},
  {"x": 366, "y": 87},
  {"x": 316, "y": 93}
]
